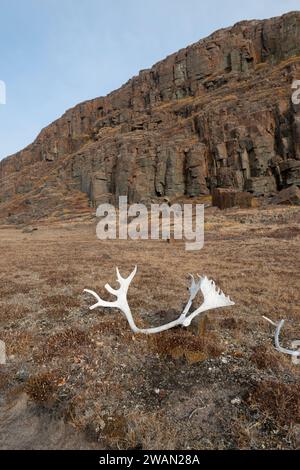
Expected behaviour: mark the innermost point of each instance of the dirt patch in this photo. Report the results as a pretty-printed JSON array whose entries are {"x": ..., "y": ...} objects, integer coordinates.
[{"x": 24, "y": 426}]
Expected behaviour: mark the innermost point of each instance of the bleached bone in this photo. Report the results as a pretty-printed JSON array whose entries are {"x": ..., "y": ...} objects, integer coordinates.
[
  {"x": 279, "y": 348},
  {"x": 213, "y": 298}
]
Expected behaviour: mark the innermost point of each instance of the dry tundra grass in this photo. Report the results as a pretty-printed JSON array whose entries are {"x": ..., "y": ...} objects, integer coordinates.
[{"x": 220, "y": 384}]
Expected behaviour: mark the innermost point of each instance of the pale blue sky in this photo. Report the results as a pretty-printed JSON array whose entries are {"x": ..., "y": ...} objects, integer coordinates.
[{"x": 56, "y": 53}]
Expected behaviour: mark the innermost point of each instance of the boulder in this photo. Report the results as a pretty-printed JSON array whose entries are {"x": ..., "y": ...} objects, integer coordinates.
[
  {"x": 289, "y": 196},
  {"x": 224, "y": 198},
  {"x": 261, "y": 186},
  {"x": 29, "y": 229}
]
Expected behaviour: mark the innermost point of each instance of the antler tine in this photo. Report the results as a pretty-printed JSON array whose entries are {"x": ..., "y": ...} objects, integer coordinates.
[
  {"x": 126, "y": 280},
  {"x": 191, "y": 289},
  {"x": 270, "y": 321},
  {"x": 119, "y": 277},
  {"x": 111, "y": 290},
  {"x": 96, "y": 297},
  {"x": 194, "y": 288},
  {"x": 279, "y": 348},
  {"x": 132, "y": 274},
  {"x": 100, "y": 302}
]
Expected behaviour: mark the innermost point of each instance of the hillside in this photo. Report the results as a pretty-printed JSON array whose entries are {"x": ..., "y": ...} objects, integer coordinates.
[{"x": 217, "y": 113}]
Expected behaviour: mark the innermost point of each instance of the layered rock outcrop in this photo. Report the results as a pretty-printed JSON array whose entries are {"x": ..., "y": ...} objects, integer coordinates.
[{"x": 216, "y": 114}]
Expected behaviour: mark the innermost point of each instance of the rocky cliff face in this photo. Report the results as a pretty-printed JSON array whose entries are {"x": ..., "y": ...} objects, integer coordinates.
[{"x": 218, "y": 113}]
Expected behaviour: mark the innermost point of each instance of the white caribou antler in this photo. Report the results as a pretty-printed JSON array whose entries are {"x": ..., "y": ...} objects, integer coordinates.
[
  {"x": 279, "y": 348},
  {"x": 213, "y": 298}
]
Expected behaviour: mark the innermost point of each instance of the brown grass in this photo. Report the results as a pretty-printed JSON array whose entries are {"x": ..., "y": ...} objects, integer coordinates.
[
  {"x": 193, "y": 347},
  {"x": 175, "y": 389},
  {"x": 60, "y": 344},
  {"x": 278, "y": 401},
  {"x": 42, "y": 387}
]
